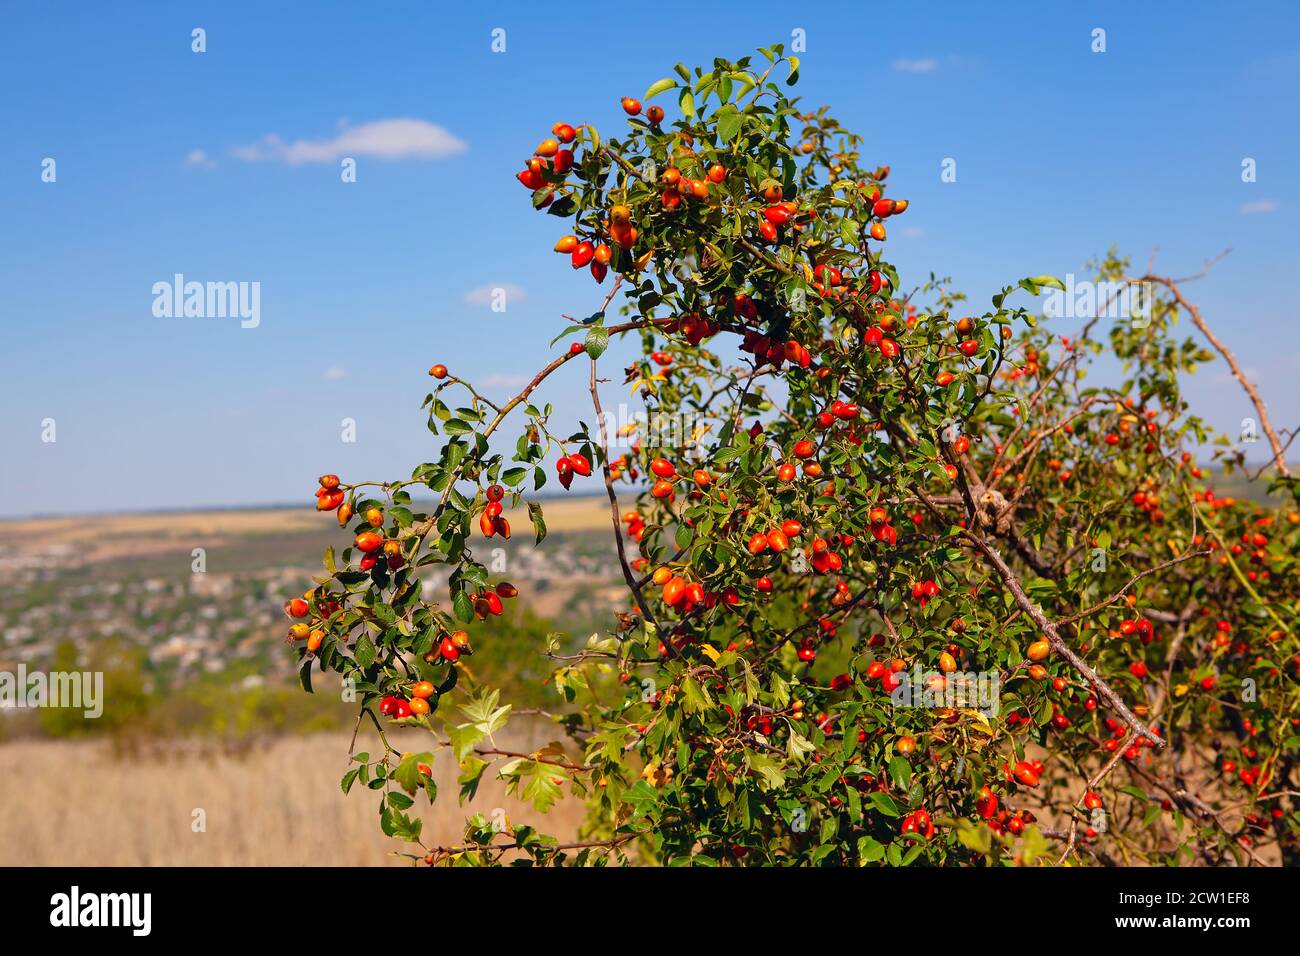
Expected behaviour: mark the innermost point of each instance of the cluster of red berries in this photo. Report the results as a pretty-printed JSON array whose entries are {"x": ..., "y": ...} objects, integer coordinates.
[
  {"x": 635, "y": 525},
  {"x": 492, "y": 521},
  {"x": 330, "y": 497},
  {"x": 417, "y": 705},
  {"x": 923, "y": 591},
  {"x": 918, "y": 821},
  {"x": 1150, "y": 503},
  {"x": 1250, "y": 776},
  {"x": 887, "y": 674},
  {"x": 488, "y": 603},
  {"x": 768, "y": 351},
  {"x": 875, "y": 338},
  {"x": 1142, "y": 627},
  {"x": 300, "y": 610},
  {"x": 694, "y": 328},
  {"x": 378, "y": 551},
  {"x": 1025, "y": 772},
  {"x": 570, "y": 465},
  {"x": 1118, "y": 733},
  {"x": 551, "y": 159},
  {"x": 885, "y": 532},
  {"x": 1002, "y": 821},
  {"x": 822, "y": 558},
  {"x": 776, "y": 539}
]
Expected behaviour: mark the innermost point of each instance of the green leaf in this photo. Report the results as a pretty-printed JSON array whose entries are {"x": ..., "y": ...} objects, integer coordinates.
[
  {"x": 349, "y": 779},
  {"x": 1034, "y": 845},
  {"x": 686, "y": 102},
  {"x": 463, "y": 607},
  {"x": 751, "y": 682},
  {"x": 798, "y": 745},
  {"x": 544, "y": 786},
  {"x": 483, "y": 712},
  {"x": 400, "y": 827},
  {"x": 695, "y": 698},
  {"x": 870, "y": 850},
  {"x": 901, "y": 771},
  {"x": 364, "y": 651},
  {"x": 771, "y": 777},
  {"x": 539, "y": 522},
  {"x": 1050, "y": 282},
  {"x": 730, "y": 122},
  {"x": 567, "y": 330},
  {"x": 659, "y": 86},
  {"x": 597, "y": 341},
  {"x": 464, "y": 738},
  {"x": 471, "y": 775},
  {"x": 885, "y": 804},
  {"x": 408, "y": 775},
  {"x": 974, "y": 837}
]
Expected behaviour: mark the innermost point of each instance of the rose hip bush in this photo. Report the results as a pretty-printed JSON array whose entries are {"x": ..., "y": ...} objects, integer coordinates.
[{"x": 908, "y": 588}]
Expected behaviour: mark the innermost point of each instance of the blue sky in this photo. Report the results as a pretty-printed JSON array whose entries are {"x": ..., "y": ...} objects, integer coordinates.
[{"x": 164, "y": 165}]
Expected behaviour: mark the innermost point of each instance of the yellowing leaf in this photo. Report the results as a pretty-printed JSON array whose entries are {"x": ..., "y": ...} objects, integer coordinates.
[
  {"x": 648, "y": 382},
  {"x": 980, "y": 721},
  {"x": 552, "y": 751},
  {"x": 656, "y": 775}
]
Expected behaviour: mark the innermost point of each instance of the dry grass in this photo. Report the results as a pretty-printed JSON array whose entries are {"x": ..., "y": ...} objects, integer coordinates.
[
  {"x": 76, "y": 803},
  {"x": 586, "y": 513},
  {"x": 122, "y": 536},
  {"x": 188, "y": 524}
]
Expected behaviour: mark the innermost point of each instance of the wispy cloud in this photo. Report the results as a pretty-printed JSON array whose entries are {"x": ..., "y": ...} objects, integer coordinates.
[
  {"x": 922, "y": 65},
  {"x": 913, "y": 232},
  {"x": 199, "y": 158},
  {"x": 1259, "y": 207},
  {"x": 335, "y": 374},
  {"x": 383, "y": 139},
  {"x": 505, "y": 380},
  {"x": 493, "y": 292}
]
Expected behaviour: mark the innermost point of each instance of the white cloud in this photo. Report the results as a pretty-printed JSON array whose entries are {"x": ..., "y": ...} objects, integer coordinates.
[
  {"x": 1258, "y": 207},
  {"x": 489, "y": 294},
  {"x": 913, "y": 232},
  {"x": 382, "y": 139},
  {"x": 201, "y": 159},
  {"x": 926, "y": 65},
  {"x": 504, "y": 380},
  {"x": 334, "y": 373}
]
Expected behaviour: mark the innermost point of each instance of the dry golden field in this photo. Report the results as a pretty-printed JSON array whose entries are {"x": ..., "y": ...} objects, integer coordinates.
[
  {"x": 77, "y": 803},
  {"x": 115, "y": 537},
  {"x": 81, "y": 801}
]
